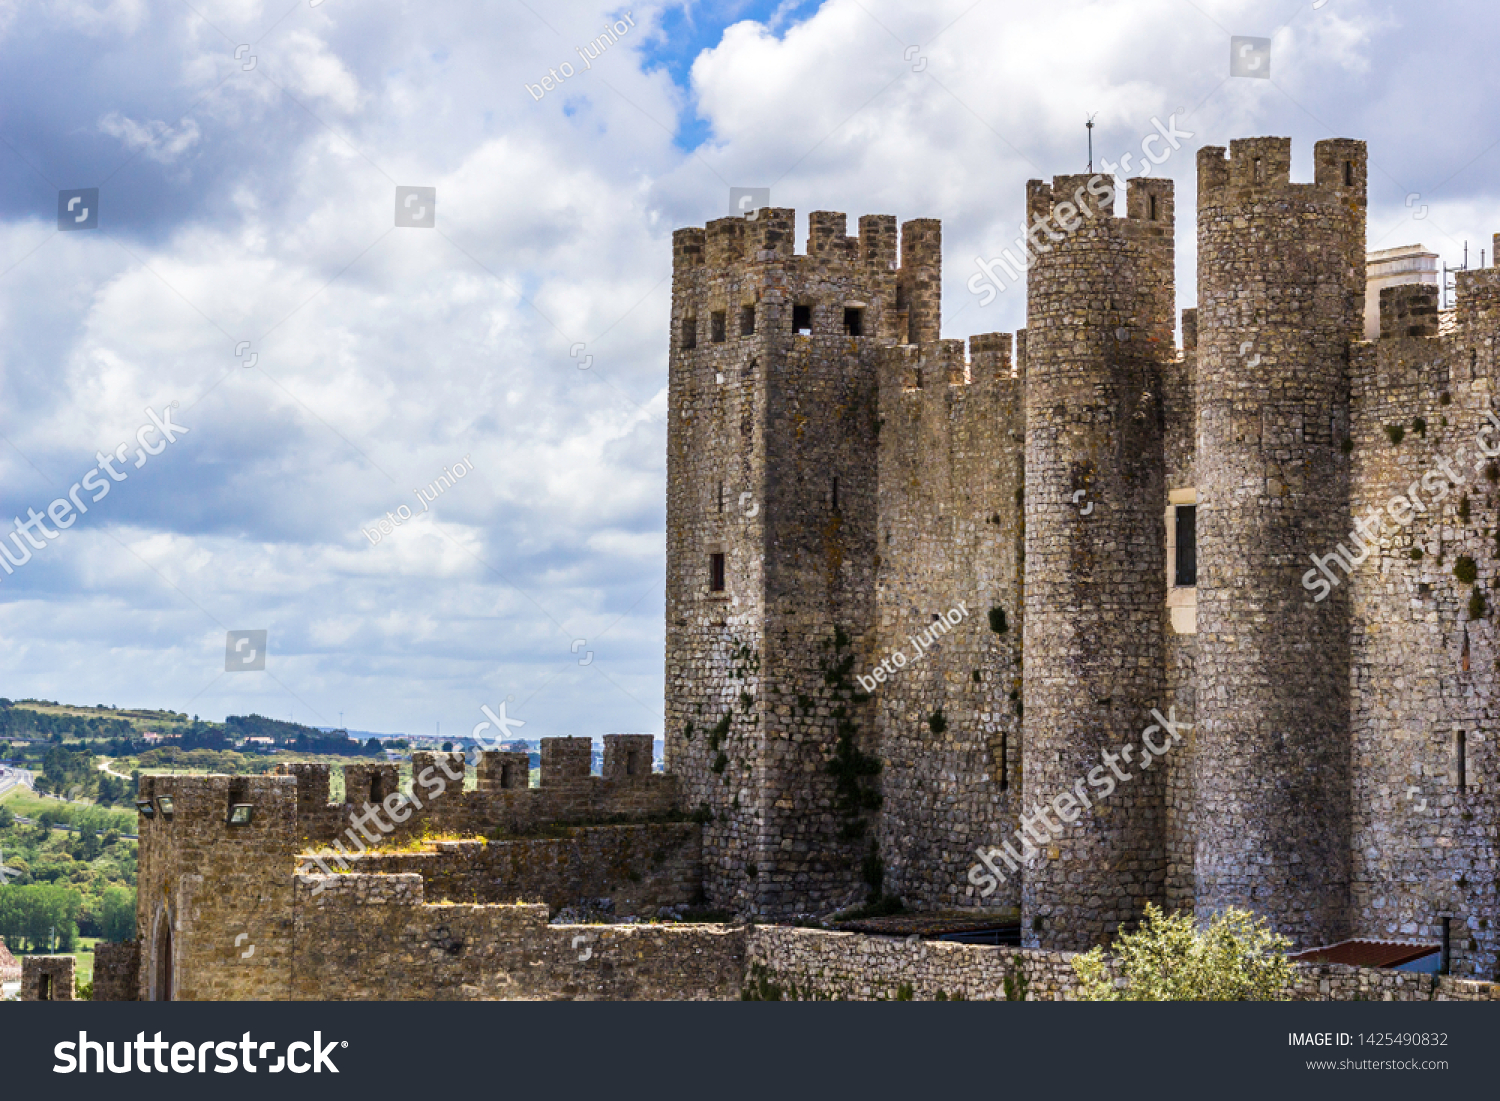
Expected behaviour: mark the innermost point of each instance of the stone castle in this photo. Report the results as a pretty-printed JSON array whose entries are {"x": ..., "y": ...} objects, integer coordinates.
[
  {"x": 1055, "y": 547},
  {"x": 1132, "y": 524}
]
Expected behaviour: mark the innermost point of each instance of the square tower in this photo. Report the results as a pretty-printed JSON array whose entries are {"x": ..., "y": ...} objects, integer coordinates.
[{"x": 771, "y": 505}]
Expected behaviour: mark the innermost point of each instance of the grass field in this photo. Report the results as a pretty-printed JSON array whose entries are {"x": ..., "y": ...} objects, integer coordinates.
[{"x": 26, "y": 803}]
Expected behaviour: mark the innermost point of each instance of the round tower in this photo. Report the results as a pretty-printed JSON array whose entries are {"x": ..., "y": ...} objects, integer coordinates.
[
  {"x": 1099, "y": 326},
  {"x": 1280, "y": 298}
]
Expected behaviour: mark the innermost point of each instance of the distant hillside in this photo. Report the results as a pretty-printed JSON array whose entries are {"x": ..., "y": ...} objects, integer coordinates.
[{"x": 303, "y": 739}]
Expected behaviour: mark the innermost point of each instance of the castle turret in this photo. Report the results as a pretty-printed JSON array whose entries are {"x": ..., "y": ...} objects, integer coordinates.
[
  {"x": 1280, "y": 298},
  {"x": 1099, "y": 329},
  {"x": 771, "y": 486}
]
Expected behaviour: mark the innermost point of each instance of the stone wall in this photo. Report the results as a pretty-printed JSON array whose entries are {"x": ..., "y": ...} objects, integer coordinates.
[
  {"x": 374, "y": 937},
  {"x": 437, "y": 804},
  {"x": 949, "y": 541},
  {"x": 1423, "y": 662},
  {"x": 117, "y": 971},
  {"x": 640, "y": 868},
  {"x": 811, "y": 964},
  {"x": 1180, "y": 448},
  {"x": 48, "y": 978}
]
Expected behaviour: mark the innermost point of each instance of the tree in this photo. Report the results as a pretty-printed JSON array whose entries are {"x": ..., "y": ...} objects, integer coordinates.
[
  {"x": 38, "y": 911},
  {"x": 1236, "y": 958},
  {"x": 117, "y": 915}
]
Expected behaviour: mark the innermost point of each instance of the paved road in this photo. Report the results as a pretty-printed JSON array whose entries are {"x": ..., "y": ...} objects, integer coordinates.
[{"x": 13, "y": 778}]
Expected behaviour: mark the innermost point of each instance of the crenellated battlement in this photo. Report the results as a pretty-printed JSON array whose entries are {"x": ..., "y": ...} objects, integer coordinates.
[{"x": 1256, "y": 165}]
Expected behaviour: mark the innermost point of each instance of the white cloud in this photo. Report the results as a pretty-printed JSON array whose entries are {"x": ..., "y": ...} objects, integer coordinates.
[
  {"x": 160, "y": 141},
  {"x": 386, "y": 354}
]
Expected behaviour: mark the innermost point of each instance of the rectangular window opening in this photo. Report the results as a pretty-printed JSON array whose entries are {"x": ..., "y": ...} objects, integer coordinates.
[
  {"x": 689, "y": 333},
  {"x": 802, "y": 320},
  {"x": 835, "y": 494},
  {"x": 1460, "y": 760},
  {"x": 747, "y": 321},
  {"x": 716, "y": 572},
  {"x": 1186, "y": 574},
  {"x": 1004, "y": 764},
  {"x": 44, "y": 988},
  {"x": 854, "y": 321},
  {"x": 716, "y": 327},
  {"x": 1348, "y": 173},
  {"x": 1153, "y": 208}
]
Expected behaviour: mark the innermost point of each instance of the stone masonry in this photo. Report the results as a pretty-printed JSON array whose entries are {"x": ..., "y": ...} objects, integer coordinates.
[
  {"x": 1052, "y": 493},
  {"x": 918, "y": 594}
]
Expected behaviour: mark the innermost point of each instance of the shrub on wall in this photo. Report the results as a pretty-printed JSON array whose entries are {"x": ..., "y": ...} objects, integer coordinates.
[{"x": 1235, "y": 958}]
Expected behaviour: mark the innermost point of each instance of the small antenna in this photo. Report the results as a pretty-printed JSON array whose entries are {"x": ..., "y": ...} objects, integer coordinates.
[{"x": 1090, "y": 125}]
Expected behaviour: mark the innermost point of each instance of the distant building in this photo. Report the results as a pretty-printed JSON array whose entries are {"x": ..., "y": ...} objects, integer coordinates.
[{"x": 1395, "y": 267}]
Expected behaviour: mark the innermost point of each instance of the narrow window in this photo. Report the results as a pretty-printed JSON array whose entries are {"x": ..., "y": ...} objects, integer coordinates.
[
  {"x": 716, "y": 572},
  {"x": 1004, "y": 764},
  {"x": 747, "y": 321},
  {"x": 835, "y": 494},
  {"x": 1348, "y": 173},
  {"x": 1460, "y": 760},
  {"x": 44, "y": 988},
  {"x": 689, "y": 333},
  {"x": 1153, "y": 208},
  {"x": 721, "y": 496},
  {"x": 802, "y": 320},
  {"x": 1446, "y": 967},
  {"x": 854, "y": 322},
  {"x": 375, "y": 796},
  {"x": 1187, "y": 546},
  {"x": 1257, "y": 169},
  {"x": 716, "y": 326},
  {"x": 630, "y": 762}
]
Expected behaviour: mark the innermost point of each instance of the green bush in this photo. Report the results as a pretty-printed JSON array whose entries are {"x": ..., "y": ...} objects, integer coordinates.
[
  {"x": 1237, "y": 958},
  {"x": 1466, "y": 570}
]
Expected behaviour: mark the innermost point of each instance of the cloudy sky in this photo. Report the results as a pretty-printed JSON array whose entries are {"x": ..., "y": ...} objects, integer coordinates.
[{"x": 247, "y": 157}]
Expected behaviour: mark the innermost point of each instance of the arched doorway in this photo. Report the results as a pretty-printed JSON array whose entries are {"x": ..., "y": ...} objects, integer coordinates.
[{"x": 163, "y": 954}]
